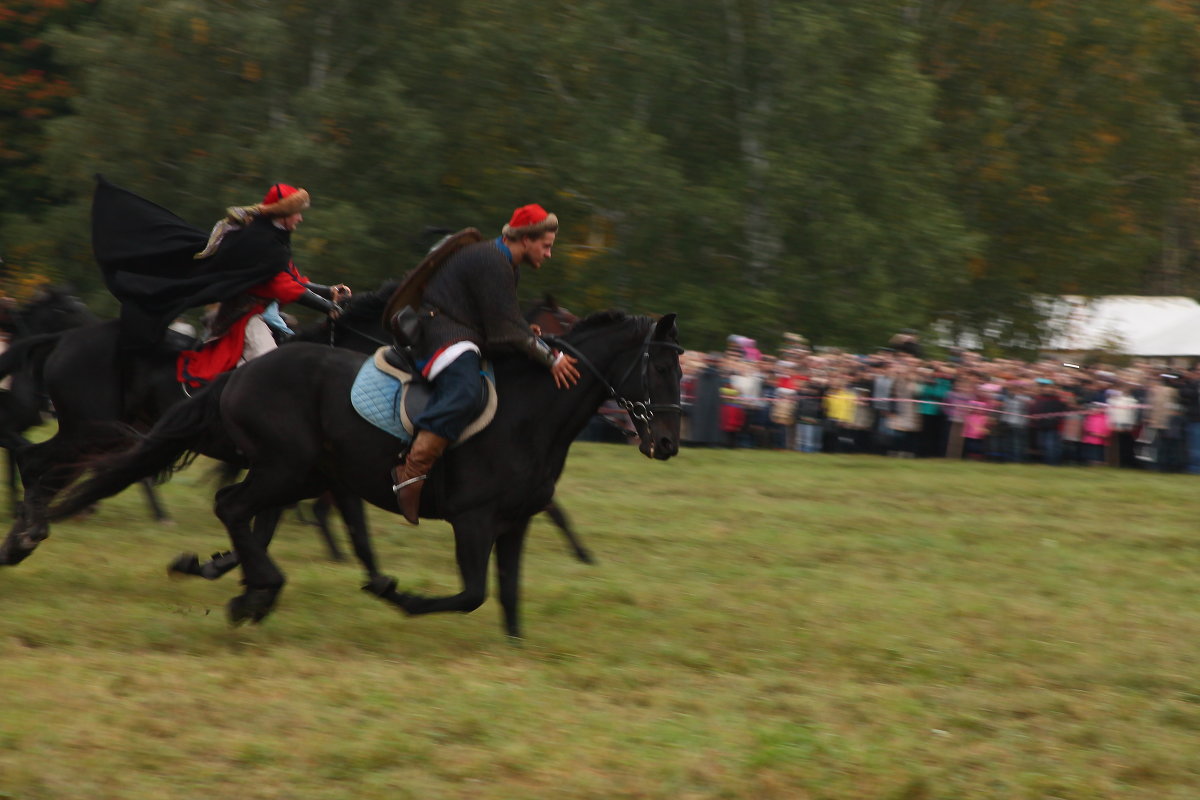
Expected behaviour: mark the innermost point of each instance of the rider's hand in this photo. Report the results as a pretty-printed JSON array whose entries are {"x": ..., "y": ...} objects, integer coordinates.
[
  {"x": 564, "y": 372},
  {"x": 340, "y": 292},
  {"x": 537, "y": 329}
]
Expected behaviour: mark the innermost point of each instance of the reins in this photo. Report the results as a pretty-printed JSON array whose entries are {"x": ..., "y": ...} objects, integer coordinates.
[
  {"x": 639, "y": 410},
  {"x": 333, "y": 323}
]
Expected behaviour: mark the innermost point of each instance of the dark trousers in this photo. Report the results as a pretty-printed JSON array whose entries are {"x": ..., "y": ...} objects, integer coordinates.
[
  {"x": 1050, "y": 442},
  {"x": 457, "y": 398},
  {"x": 933, "y": 436}
]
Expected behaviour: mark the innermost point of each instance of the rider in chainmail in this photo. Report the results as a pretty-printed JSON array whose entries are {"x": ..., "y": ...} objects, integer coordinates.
[{"x": 470, "y": 304}]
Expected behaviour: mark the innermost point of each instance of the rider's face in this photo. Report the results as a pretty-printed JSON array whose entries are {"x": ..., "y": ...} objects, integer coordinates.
[
  {"x": 290, "y": 222},
  {"x": 538, "y": 250}
]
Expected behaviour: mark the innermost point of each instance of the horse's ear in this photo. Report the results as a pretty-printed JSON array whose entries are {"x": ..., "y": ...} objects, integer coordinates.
[{"x": 665, "y": 328}]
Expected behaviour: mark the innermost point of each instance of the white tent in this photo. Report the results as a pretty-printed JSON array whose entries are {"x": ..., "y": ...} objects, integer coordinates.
[{"x": 1147, "y": 327}]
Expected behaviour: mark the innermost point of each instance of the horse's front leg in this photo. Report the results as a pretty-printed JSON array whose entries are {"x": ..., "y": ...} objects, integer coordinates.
[
  {"x": 13, "y": 442},
  {"x": 509, "y": 547},
  {"x": 559, "y": 518},
  {"x": 43, "y": 471},
  {"x": 474, "y": 536}
]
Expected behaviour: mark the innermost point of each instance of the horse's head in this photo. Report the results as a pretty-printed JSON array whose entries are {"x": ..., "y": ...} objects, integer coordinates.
[
  {"x": 642, "y": 375},
  {"x": 51, "y": 310},
  {"x": 660, "y": 437}
]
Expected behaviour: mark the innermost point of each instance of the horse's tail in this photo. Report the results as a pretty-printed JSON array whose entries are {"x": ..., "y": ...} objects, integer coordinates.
[{"x": 169, "y": 446}]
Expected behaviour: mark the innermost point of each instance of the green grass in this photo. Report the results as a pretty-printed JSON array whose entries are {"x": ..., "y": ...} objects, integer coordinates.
[{"x": 760, "y": 625}]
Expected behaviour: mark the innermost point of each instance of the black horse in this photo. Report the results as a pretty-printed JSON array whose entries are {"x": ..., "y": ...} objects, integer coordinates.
[
  {"x": 99, "y": 392},
  {"x": 31, "y": 330},
  {"x": 289, "y": 412}
]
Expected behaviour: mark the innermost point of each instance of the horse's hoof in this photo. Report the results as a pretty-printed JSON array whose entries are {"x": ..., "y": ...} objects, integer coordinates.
[
  {"x": 252, "y": 606},
  {"x": 218, "y": 565},
  {"x": 17, "y": 548},
  {"x": 185, "y": 564},
  {"x": 381, "y": 586},
  {"x": 10, "y": 556}
]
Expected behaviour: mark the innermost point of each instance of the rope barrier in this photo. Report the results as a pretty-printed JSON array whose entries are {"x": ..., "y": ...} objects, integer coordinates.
[{"x": 860, "y": 401}]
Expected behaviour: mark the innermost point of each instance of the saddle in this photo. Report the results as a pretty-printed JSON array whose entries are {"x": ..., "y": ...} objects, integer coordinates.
[{"x": 389, "y": 391}]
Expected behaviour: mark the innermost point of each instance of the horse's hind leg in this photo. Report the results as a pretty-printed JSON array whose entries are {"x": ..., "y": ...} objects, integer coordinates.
[
  {"x": 265, "y": 525},
  {"x": 509, "y": 546},
  {"x": 262, "y": 491},
  {"x": 350, "y": 506},
  {"x": 44, "y": 471},
  {"x": 152, "y": 500},
  {"x": 320, "y": 509}
]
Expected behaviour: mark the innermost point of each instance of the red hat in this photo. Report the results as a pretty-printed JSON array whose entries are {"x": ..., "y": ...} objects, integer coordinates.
[
  {"x": 530, "y": 220},
  {"x": 282, "y": 200}
]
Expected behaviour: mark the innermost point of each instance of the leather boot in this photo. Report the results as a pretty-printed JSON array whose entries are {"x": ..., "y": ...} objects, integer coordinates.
[{"x": 427, "y": 448}]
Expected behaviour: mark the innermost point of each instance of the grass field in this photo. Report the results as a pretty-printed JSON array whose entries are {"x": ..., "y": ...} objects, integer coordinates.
[{"x": 759, "y": 625}]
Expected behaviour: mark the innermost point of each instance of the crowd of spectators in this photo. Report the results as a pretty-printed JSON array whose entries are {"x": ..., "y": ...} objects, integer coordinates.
[{"x": 897, "y": 402}]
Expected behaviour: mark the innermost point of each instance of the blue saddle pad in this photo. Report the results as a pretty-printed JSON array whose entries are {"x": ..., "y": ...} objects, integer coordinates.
[{"x": 376, "y": 396}]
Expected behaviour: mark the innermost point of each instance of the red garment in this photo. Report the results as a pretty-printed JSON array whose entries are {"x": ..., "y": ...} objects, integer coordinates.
[
  {"x": 733, "y": 418},
  {"x": 197, "y": 367},
  {"x": 285, "y": 287}
]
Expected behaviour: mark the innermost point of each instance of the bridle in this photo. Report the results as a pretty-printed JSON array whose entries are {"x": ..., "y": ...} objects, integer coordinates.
[{"x": 641, "y": 412}]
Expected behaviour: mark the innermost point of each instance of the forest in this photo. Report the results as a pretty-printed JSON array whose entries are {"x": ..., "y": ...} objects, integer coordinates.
[{"x": 837, "y": 169}]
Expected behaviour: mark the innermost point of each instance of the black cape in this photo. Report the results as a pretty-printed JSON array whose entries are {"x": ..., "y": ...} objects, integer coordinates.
[{"x": 146, "y": 254}]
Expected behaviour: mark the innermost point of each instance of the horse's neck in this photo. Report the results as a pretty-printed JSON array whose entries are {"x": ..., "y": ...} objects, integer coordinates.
[{"x": 566, "y": 412}]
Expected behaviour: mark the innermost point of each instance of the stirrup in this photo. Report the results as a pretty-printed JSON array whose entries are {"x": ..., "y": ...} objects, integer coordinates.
[{"x": 398, "y": 486}]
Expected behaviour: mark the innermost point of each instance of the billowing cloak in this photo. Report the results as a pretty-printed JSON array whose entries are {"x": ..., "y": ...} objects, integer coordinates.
[{"x": 146, "y": 254}]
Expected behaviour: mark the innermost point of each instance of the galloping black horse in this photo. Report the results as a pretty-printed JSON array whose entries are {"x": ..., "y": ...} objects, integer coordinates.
[
  {"x": 97, "y": 389},
  {"x": 289, "y": 412},
  {"x": 32, "y": 330}
]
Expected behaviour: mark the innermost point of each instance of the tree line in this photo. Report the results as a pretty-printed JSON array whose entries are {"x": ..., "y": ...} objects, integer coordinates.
[{"x": 842, "y": 170}]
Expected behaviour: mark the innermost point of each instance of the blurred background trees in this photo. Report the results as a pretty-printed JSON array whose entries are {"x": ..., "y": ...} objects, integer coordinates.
[{"x": 838, "y": 169}]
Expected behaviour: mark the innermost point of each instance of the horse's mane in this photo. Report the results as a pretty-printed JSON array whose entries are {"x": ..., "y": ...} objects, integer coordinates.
[
  {"x": 600, "y": 319},
  {"x": 369, "y": 307}
]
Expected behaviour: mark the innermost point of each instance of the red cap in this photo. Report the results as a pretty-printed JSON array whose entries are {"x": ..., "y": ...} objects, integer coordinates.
[
  {"x": 528, "y": 215},
  {"x": 277, "y": 193},
  {"x": 530, "y": 219},
  {"x": 282, "y": 200}
]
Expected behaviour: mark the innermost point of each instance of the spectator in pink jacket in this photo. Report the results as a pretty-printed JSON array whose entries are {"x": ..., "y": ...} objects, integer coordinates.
[
  {"x": 977, "y": 420},
  {"x": 1095, "y": 435}
]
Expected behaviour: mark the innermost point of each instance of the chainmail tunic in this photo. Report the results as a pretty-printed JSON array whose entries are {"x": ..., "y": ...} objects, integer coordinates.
[{"x": 473, "y": 297}]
